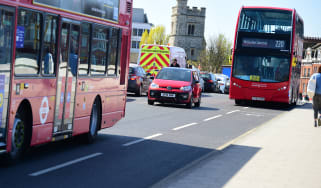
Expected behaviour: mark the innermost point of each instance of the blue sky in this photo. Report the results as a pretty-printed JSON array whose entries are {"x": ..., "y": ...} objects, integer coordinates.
[{"x": 221, "y": 15}]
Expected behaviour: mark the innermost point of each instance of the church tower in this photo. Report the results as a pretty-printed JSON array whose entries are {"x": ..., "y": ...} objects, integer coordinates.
[{"x": 187, "y": 29}]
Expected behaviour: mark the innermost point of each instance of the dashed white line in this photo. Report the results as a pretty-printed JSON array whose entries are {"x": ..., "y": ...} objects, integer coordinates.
[
  {"x": 64, "y": 164},
  {"x": 257, "y": 115},
  {"x": 232, "y": 112},
  {"x": 142, "y": 139},
  {"x": 246, "y": 107},
  {"x": 208, "y": 119},
  {"x": 184, "y": 126}
]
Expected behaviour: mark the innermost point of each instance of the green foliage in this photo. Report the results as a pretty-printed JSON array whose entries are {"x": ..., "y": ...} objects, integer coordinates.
[
  {"x": 156, "y": 35},
  {"x": 216, "y": 54}
]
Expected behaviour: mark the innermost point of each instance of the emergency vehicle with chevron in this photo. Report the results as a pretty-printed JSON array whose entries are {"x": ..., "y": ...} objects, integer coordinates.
[{"x": 152, "y": 58}]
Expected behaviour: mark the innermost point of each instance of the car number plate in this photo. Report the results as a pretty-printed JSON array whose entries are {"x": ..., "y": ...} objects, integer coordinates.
[
  {"x": 258, "y": 98},
  {"x": 167, "y": 94}
]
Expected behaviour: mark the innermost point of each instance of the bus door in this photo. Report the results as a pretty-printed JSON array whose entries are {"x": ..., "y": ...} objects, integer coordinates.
[
  {"x": 6, "y": 47},
  {"x": 67, "y": 78}
]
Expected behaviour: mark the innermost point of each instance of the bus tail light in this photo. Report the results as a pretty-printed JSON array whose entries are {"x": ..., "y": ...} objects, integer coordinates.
[
  {"x": 235, "y": 84},
  {"x": 210, "y": 81}
]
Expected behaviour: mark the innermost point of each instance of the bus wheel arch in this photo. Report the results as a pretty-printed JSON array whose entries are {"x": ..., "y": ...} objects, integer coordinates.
[
  {"x": 95, "y": 119},
  {"x": 21, "y": 131}
]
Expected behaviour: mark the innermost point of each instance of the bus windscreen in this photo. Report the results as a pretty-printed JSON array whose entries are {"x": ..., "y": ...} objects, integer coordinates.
[
  {"x": 271, "y": 69},
  {"x": 265, "y": 21}
]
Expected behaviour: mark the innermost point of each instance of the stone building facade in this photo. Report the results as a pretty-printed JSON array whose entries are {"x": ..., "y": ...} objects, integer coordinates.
[{"x": 187, "y": 29}]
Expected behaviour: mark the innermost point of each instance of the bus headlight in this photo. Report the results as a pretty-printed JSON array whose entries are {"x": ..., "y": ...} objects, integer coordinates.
[
  {"x": 282, "y": 88},
  {"x": 235, "y": 84}
]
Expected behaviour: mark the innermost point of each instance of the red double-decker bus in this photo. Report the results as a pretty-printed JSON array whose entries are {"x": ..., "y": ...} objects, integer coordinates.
[
  {"x": 63, "y": 69},
  {"x": 267, "y": 55}
]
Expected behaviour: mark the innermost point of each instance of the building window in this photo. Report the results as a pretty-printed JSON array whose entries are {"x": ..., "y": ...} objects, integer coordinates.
[
  {"x": 303, "y": 88},
  {"x": 135, "y": 44},
  {"x": 305, "y": 72},
  {"x": 191, "y": 29},
  {"x": 308, "y": 72},
  {"x": 192, "y": 52},
  {"x": 134, "y": 32},
  {"x": 140, "y": 32}
]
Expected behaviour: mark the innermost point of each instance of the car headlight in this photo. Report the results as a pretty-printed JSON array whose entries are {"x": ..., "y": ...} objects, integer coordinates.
[
  {"x": 186, "y": 88},
  {"x": 153, "y": 85}
]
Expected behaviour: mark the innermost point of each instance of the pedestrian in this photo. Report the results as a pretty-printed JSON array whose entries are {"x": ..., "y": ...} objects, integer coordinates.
[
  {"x": 175, "y": 64},
  {"x": 317, "y": 99}
]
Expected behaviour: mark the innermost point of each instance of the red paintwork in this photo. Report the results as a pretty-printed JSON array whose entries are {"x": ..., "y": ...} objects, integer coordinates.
[
  {"x": 111, "y": 90},
  {"x": 270, "y": 90},
  {"x": 176, "y": 85}
]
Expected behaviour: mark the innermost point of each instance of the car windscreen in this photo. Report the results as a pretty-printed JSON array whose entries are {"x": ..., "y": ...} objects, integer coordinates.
[
  {"x": 132, "y": 70},
  {"x": 206, "y": 76},
  {"x": 175, "y": 74}
]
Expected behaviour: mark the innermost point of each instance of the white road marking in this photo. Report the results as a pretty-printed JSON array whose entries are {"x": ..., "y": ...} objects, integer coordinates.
[
  {"x": 257, "y": 115},
  {"x": 246, "y": 107},
  {"x": 184, "y": 126},
  {"x": 142, "y": 139},
  {"x": 208, "y": 119},
  {"x": 64, "y": 164},
  {"x": 232, "y": 112}
]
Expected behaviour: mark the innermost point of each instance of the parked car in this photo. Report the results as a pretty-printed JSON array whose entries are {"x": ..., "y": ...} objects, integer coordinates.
[
  {"x": 138, "y": 80},
  {"x": 176, "y": 85},
  {"x": 210, "y": 82},
  {"x": 223, "y": 83}
]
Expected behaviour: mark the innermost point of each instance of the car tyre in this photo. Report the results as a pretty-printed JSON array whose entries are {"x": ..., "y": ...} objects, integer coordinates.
[
  {"x": 190, "y": 103},
  {"x": 198, "y": 104},
  {"x": 150, "y": 102},
  {"x": 139, "y": 91}
]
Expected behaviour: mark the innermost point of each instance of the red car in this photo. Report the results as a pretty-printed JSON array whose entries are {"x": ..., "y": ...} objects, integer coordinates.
[{"x": 176, "y": 85}]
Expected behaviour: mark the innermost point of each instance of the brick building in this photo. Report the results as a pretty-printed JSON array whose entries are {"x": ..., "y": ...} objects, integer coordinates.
[{"x": 310, "y": 63}]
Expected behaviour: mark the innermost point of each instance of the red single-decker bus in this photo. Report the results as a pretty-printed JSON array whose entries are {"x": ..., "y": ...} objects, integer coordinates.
[{"x": 64, "y": 67}]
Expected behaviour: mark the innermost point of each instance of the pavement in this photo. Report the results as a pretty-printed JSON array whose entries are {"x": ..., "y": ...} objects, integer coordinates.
[{"x": 284, "y": 152}]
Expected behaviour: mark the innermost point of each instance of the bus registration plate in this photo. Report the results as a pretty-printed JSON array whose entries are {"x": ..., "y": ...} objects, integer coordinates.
[
  {"x": 168, "y": 94},
  {"x": 258, "y": 98}
]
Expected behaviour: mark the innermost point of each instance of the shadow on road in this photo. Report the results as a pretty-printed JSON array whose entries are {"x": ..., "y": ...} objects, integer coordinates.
[
  {"x": 183, "y": 106},
  {"x": 268, "y": 105},
  {"x": 139, "y": 165}
]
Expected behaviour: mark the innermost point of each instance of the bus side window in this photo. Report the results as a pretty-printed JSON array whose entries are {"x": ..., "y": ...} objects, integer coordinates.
[
  {"x": 84, "y": 49},
  {"x": 114, "y": 52},
  {"x": 28, "y": 43},
  {"x": 49, "y": 53}
]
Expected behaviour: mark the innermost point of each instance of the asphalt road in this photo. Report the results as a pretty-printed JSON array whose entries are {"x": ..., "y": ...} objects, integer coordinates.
[{"x": 149, "y": 144}]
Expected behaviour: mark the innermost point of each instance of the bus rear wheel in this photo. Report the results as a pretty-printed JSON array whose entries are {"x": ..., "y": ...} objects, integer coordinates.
[{"x": 95, "y": 120}]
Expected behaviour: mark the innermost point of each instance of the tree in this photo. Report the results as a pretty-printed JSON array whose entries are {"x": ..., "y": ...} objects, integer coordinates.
[
  {"x": 157, "y": 35},
  {"x": 216, "y": 54},
  {"x": 144, "y": 39}
]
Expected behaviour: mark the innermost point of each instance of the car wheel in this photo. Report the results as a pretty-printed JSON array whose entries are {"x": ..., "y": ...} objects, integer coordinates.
[
  {"x": 198, "y": 104},
  {"x": 190, "y": 103},
  {"x": 239, "y": 102},
  {"x": 139, "y": 91},
  {"x": 150, "y": 102}
]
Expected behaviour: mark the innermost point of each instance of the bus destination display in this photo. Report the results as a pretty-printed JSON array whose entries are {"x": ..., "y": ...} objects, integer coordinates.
[
  {"x": 264, "y": 43},
  {"x": 105, "y": 9}
]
